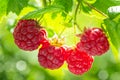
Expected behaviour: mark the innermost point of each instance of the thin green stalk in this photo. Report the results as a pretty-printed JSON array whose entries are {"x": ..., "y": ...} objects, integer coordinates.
[
  {"x": 75, "y": 23},
  {"x": 76, "y": 10},
  {"x": 75, "y": 15}
]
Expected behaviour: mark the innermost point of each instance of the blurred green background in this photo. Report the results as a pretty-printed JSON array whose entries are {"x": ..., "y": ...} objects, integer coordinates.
[{"x": 16, "y": 64}]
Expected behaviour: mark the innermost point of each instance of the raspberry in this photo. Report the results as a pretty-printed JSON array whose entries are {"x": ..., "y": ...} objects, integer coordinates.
[
  {"x": 94, "y": 42},
  {"x": 79, "y": 62},
  {"x": 45, "y": 43},
  {"x": 51, "y": 57},
  {"x": 68, "y": 51},
  {"x": 28, "y": 35}
]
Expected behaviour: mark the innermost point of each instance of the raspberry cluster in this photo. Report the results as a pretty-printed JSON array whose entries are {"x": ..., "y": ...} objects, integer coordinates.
[{"x": 29, "y": 35}]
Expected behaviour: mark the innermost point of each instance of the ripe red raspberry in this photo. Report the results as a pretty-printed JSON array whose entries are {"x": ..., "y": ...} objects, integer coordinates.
[
  {"x": 28, "y": 35},
  {"x": 45, "y": 43},
  {"x": 79, "y": 62},
  {"x": 51, "y": 57},
  {"x": 68, "y": 51},
  {"x": 94, "y": 42}
]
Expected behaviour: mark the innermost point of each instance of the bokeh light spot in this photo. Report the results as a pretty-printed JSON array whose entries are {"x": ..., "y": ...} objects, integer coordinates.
[
  {"x": 21, "y": 65},
  {"x": 103, "y": 75}
]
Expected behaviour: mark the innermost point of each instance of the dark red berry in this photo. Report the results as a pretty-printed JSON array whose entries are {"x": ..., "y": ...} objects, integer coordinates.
[
  {"x": 94, "y": 42},
  {"x": 28, "y": 34},
  {"x": 79, "y": 62},
  {"x": 51, "y": 57}
]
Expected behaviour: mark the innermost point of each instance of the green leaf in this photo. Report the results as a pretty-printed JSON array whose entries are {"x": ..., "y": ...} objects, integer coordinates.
[
  {"x": 86, "y": 9},
  {"x": 67, "y": 4},
  {"x": 115, "y": 52},
  {"x": 103, "y": 5},
  {"x": 39, "y": 12},
  {"x": 118, "y": 29},
  {"x": 113, "y": 15},
  {"x": 16, "y": 5},
  {"x": 111, "y": 29}
]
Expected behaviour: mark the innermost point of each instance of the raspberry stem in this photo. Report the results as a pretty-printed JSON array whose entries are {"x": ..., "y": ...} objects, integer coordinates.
[
  {"x": 75, "y": 33},
  {"x": 76, "y": 10},
  {"x": 75, "y": 16},
  {"x": 74, "y": 20}
]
